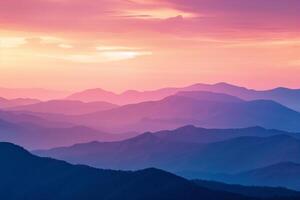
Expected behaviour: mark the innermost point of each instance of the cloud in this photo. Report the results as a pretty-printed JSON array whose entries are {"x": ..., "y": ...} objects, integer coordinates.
[
  {"x": 161, "y": 13},
  {"x": 65, "y": 46},
  {"x": 280, "y": 15},
  {"x": 265, "y": 43},
  {"x": 123, "y": 55},
  {"x": 177, "y": 17},
  {"x": 98, "y": 57},
  {"x": 12, "y": 42},
  {"x": 50, "y": 39},
  {"x": 114, "y": 48}
]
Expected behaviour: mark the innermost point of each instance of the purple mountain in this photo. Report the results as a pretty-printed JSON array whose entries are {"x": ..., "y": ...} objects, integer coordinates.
[
  {"x": 35, "y": 93},
  {"x": 285, "y": 96},
  {"x": 201, "y": 154},
  {"x": 65, "y": 107},
  {"x": 205, "y": 109},
  {"x": 36, "y": 137},
  {"x": 8, "y": 103}
]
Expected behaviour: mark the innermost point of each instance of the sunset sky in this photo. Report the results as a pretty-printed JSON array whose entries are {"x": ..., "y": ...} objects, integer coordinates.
[{"x": 147, "y": 44}]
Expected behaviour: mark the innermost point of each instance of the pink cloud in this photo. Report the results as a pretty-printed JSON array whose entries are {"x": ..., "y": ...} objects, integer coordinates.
[
  {"x": 272, "y": 14},
  {"x": 111, "y": 16}
]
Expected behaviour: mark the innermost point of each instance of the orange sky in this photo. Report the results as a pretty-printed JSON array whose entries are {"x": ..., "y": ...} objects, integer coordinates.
[{"x": 146, "y": 44}]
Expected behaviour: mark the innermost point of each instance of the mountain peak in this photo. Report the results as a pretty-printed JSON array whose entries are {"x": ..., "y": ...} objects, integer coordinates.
[
  {"x": 228, "y": 85},
  {"x": 97, "y": 90},
  {"x": 285, "y": 90},
  {"x": 224, "y": 84},
  {"x": 190, "y": 126},
  {"x": 96, "y": 94}
]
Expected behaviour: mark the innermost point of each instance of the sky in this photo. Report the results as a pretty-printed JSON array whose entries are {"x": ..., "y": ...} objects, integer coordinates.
[{"x": 147, "y": 44}]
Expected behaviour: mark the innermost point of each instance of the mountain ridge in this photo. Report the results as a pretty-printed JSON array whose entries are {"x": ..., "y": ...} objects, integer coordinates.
[
  {"x": 53, "y": 179},
  {"x": 67, "y": 107},
  {"x": 286, "y": 96},
  {"x": 178, "y": 110}
]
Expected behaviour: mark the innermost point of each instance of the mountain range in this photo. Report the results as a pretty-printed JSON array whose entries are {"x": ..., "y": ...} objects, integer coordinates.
[
  {"x": 279, "y": 174},
  {"x": 8, "y": 103},
  {"x": 248, "y": 137},
  {"x": 203, "y": 156},
  {"x": 285, "y": 96},
  {"x": 205, "y": 109},
  {"x": 64, "y": 107},
  {"x": 25, "y": 176},
  {"x": 49, "y": 120},
  {"x": 31, "y": 93},
  {"x": 34, "y": 136}
]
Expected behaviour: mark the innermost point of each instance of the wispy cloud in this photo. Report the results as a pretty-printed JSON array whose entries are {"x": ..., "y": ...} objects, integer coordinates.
[
  {"x": 65, "y": 46},
  {"x": 115, "y": 48},
  {"x": 12, "y": 42},
  {"x": 198, "y": 16},
  {"x": 162, "y": 13},
  {"x": 98, "y": 57},
  {"x": 264, "y": 43}
]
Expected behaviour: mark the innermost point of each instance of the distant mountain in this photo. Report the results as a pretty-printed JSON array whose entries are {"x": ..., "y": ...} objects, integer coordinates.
[
  {"x": 210, "y": 96},
  {"x": 281, "y": 174},
  {"x": 192, "y": 134},
  {"x": 252, "y": 191},
  {"x": 35, "y": 93},
  {"x": 24, "y": 176},
  {"x": 140, "y": 152},
  {"x": 34, "y": 136},
  {"x": 8, "y": 103},
  {"x": 243, "y": 153},
  {"x": 127, "y": 97},
  {"x": 205, "y": 109},
  {"x": 285, "y": 96},
  {"x": 184, "y": 155},
  {"x": 65, "y": 107},
  {"x": 93, "y": 95},
  {"x": 40, "y": 119}
]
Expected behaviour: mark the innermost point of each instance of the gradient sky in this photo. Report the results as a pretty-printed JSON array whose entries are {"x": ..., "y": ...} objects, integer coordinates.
[{"x": 145, "y": 44}]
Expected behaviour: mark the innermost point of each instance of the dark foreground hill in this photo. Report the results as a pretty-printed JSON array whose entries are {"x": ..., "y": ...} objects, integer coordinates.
[
  {"x": 252, "y": 191},
  {"x": 28, "y": 177}
]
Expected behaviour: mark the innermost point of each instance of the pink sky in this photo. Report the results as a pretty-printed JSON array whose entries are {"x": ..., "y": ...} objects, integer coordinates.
[{"x": 145, "y": 44}]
